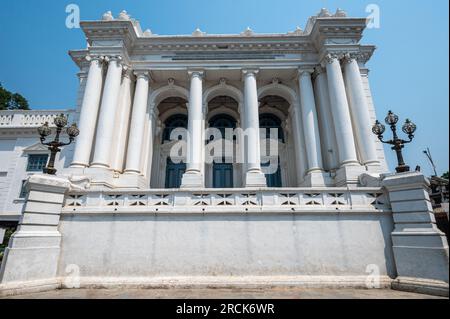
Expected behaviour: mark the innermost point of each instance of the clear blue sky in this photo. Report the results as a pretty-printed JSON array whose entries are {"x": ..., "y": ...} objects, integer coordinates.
[{"x": 409, "y": 71}]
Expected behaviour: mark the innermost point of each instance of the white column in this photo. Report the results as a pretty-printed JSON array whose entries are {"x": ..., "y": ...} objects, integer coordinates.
[
  {"x": 137, "y": 126},
  {"x": 326, "y": 125},
  {"x": 89, "y": 113},
  {"x": 359, "y": 110},
  {"x": 193, "y": 176},
  {"x": 310, "y": 124},
  {"x": 299, "y": 143},
  {"x": 254, "y": 175},
  {"x": 106, "y": 120},
  {"x": 152, "y": 123},
  {"x": 123, "y": 119},
  {"x": 341, "y": 113}
]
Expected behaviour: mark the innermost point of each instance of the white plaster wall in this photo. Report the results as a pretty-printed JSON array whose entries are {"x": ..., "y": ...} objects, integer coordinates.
[
  {"x": 136, "y": 245},
  {"x": 13, "y": 166}
]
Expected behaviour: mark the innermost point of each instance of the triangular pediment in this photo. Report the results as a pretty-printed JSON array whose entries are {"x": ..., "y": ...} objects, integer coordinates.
[{"x": 38, "y": 147}]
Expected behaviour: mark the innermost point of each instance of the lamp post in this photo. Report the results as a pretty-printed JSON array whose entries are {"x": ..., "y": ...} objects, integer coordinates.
[
  {"x": 54, "y": 146},
  {"x": 397, "y": 144}
]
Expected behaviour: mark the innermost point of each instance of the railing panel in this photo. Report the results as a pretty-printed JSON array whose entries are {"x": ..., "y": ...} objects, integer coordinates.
[{"x": 233, "y": 200}]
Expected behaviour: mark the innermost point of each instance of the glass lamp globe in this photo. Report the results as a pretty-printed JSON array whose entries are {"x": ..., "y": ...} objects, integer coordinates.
[
  {"x": 73, "y": 130},
  {"x": 391, "y": 118},
  {"x": 409, "y": 127},
  {"x": 60, "y": 121},
  {"x": 44, "y": 130},
  {"x": 378, "y": 128}
]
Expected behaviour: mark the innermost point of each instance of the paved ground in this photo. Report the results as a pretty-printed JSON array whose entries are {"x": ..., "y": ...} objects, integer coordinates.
[{"x": 274, "y": 293}]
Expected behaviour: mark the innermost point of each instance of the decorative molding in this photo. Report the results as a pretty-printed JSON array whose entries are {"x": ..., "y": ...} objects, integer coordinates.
[
  {"x": 107, "y": 16},
  {"x": 37, "y": 147},
  {"x": 247, "y": 32},
  {"x": 201, "y": 201}
]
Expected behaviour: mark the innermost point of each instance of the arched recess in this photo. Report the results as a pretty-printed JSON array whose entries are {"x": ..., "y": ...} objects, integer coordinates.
[
  {"x": 223, "y": 89},
  {"x": 276, "y": 103},
  {"x": 278, "y": 89},
  {"x": 169, "y": 105},
  {"x": 170, "y": 90}
]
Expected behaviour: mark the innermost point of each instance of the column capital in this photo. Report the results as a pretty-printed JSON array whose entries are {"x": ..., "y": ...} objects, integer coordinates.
[
  {"x": 144, "y": 74},
  {"x": 305, "y": 71},
  {"x": 116, "y": 58},
  {"x": 250, "y": 72},
  {"x": 318, "y": 70},
  {"x": 127, "y": 73},
  {"x": 95, "y": 57},
  {"x": 333, "y": 56},
  {"x": 196, "y": 74},
  {"x": 349, "y": 57}
]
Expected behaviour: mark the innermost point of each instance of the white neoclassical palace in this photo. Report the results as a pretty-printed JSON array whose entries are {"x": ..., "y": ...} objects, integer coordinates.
[
  {"x": 217, "y": 159},
  {"x": 311, "y": 85}
]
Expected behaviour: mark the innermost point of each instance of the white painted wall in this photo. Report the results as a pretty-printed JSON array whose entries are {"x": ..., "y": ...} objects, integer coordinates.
[
  {"x": 135, "y": 245},
  {"x": 13, "y": 164}
]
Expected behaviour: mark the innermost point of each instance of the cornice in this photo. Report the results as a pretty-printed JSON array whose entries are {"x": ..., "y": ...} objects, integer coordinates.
[{"x": 123, "y": 36}]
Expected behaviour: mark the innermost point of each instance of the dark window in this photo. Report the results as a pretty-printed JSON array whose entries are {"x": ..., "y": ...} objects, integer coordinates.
[
  {"x": 222, "y": 122},
  {"x": 273, "y": 180},
  {"x": 222, "y": 172},
  {"x": 174, "y": 122},
  {"x": 269, "y": 121},
  {"x": 23, "y": 190},
  {"x": 36, "y": 162},
  {"x": 174, "y": 173},
  {"x": 222, "y": 175}
]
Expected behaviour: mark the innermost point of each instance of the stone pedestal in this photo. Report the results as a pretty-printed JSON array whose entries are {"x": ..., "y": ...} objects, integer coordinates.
[
  {"x": 420, "y": 248},
  {"x": 349, "y": 175},
  {"x": 255, "y": 179},
  {"x": 318, "y": 179},
  {"x": 192, "y": 180},
  {"x": 33, "y": 251}
]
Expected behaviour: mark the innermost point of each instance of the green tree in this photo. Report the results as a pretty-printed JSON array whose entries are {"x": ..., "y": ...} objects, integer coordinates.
[
  {"x": 445, "y": 175},
  {"x": 12, "y": 101}
]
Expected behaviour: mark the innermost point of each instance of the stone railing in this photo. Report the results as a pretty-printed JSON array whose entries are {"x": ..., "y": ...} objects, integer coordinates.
[
  {"x": 228, "y": 201},
  {"x": 12, "y": 119}
]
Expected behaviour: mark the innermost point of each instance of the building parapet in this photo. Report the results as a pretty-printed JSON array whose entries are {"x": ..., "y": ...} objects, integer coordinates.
[
  {"x": 34, "y": 118},
  {"x": 283, "y": 200}
]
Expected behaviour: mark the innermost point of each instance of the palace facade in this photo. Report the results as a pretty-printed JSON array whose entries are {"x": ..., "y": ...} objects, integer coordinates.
[{"x": 152, "y": 194}]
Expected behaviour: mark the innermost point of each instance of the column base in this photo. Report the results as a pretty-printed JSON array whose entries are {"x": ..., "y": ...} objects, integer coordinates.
[
  {"x": 192, "y": 180},
  {"x": 101, "y": 178},
  {"x": 317, "y": 179},
  {"x": 99, "y": 165},
  {"x": 255, "y": 179},
  {"x": 349, "y": 175}
]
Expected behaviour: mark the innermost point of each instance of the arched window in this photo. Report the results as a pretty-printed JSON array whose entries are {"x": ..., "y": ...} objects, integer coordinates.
[
  {"x": 222, "y": 122},
  {"x": 174, "y": 122},
  {"x": 270, "y": 121}
]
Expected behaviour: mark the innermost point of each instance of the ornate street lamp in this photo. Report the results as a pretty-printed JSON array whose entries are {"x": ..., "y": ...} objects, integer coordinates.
[
  {"x": 54, "y": 146},
  {"x": 398, "y": 144}
]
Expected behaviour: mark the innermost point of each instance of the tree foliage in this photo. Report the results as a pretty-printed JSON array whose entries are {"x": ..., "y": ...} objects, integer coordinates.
[
  {"x": 12, "y": 101},
  {"x": 445, "y": 175}
]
